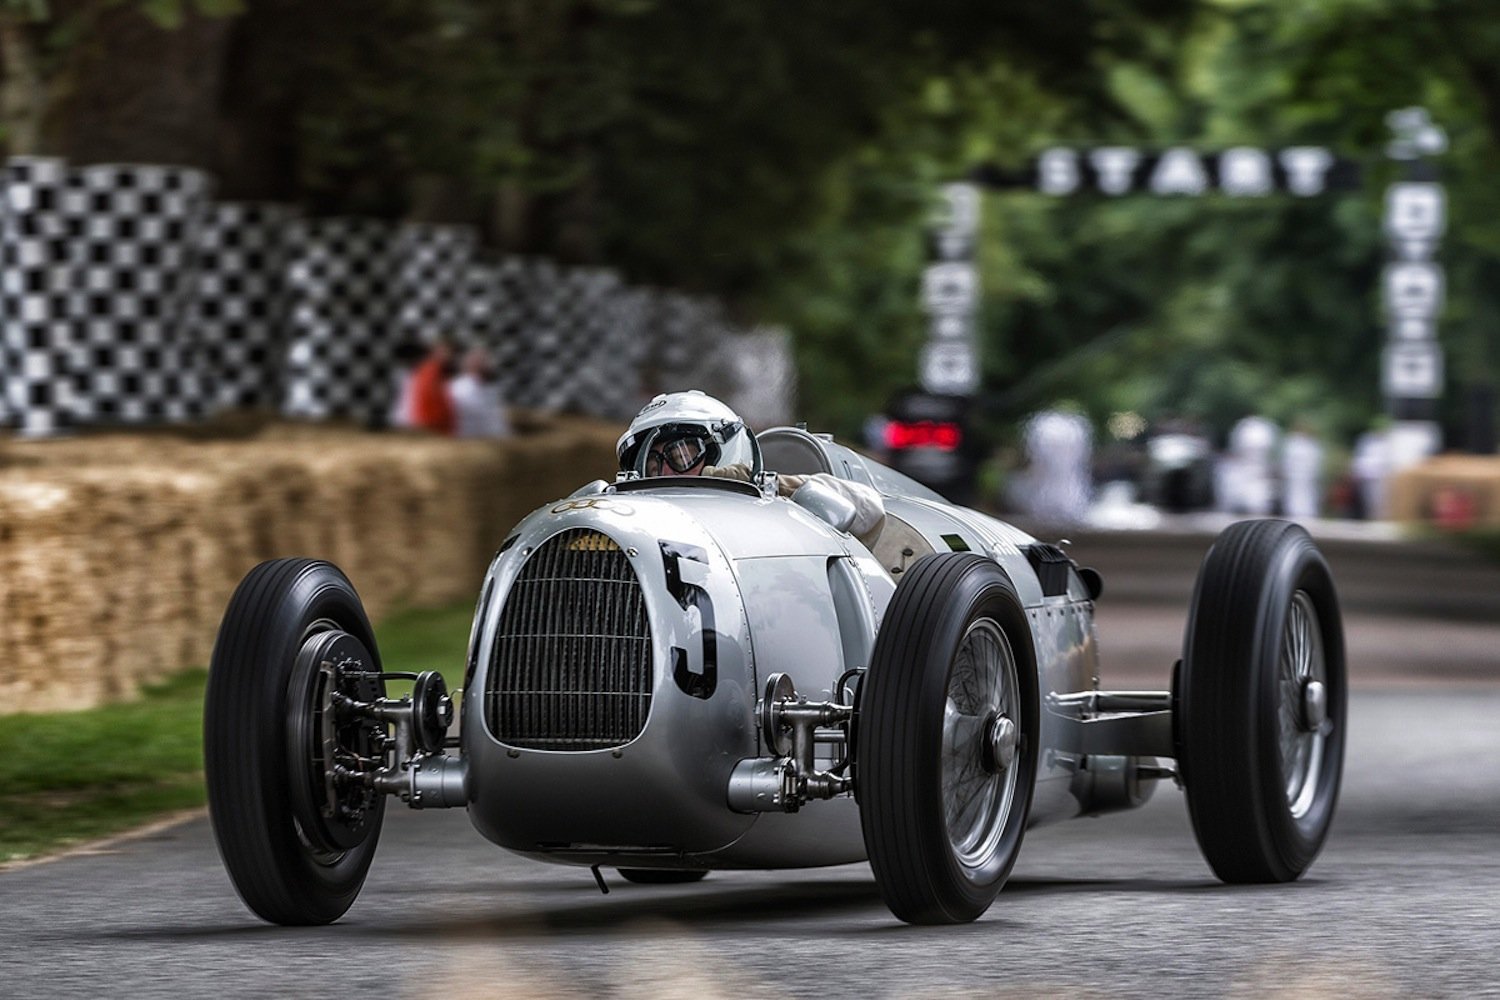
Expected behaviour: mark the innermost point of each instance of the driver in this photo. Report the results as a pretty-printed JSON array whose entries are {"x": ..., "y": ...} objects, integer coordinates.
[{"x": 693, "y": 434}]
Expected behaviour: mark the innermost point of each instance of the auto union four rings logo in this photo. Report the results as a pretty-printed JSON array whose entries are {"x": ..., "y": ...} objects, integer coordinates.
[{"x": 594, "y": 503}]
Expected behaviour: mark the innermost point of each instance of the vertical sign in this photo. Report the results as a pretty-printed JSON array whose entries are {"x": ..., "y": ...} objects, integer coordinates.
[
  {"x": 949, "y": 365},
  {"x": 1412, "y": 288}
]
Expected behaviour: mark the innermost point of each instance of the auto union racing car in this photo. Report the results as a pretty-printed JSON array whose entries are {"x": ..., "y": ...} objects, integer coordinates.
[{"x": 668, "y": 676}]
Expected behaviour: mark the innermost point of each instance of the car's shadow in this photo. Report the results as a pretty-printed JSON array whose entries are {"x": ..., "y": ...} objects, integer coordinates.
[
  {"x": 556, "y": 912},
  {"x": 551, "y": 911}
]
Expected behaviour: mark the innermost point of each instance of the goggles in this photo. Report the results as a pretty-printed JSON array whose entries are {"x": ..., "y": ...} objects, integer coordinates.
[{"x": 680, "y": 454}]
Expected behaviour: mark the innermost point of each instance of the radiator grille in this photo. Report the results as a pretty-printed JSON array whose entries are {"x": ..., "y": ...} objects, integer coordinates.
[{"x": 571, "y": 667}]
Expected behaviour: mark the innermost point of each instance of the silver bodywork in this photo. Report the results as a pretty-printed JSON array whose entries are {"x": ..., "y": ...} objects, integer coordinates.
[{"x": 788, "y": 593}]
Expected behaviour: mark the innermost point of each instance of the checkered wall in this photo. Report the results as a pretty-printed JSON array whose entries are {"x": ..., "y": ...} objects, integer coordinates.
[
  {"x": 134, "y": 352},
  {"x": 433, "y": 266},
  {"x": 98, "y": 294},
  {"x": 129, "y": 296},
  {"x": 508, "y": 333},
  {"x": 35, "y": 297},
  {"x": 341, "y": 341},
  {"x": 610, "y": 382},
  {"x": 243, "y": 256}
]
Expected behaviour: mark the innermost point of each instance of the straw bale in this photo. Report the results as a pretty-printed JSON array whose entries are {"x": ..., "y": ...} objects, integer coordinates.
[
  {"x": 1416, "y": 494},
  {"x": 118, "y": 553}
]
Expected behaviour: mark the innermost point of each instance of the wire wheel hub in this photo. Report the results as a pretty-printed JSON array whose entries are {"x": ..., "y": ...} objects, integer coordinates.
[
  {"x": 979, "y": 742},
  {"x": 1303, "y": 695}
]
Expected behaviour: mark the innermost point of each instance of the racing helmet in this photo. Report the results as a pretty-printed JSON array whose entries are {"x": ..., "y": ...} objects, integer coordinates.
[{"x": 686, "y": 430}]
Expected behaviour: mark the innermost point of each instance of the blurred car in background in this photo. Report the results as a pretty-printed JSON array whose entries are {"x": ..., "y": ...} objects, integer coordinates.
[
  {"x": 1178, "y": 474},
  {"x": 927, "y": 437}
]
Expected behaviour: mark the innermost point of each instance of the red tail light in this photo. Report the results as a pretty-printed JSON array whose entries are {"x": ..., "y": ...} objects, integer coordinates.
[{"x": 944, "y": 436}]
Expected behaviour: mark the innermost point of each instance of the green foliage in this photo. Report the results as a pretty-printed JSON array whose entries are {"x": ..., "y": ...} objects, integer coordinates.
[
  {"x": 1206, "y": 308},
  {"x": 780, "y": 155},
  {"x": 1213, "y": 308},
  {"x": 33, "y": 10},
  {"x": 170, "y": 13},
  {"x": 777, "y": 154}
]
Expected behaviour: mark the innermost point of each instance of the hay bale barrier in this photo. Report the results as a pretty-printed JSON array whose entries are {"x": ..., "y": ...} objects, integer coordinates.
[
  {"x": 1453, "y": 492},
  {"x": 118, "y": 553}
]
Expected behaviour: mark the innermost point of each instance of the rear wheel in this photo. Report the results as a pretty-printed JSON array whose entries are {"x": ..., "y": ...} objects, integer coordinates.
[
  {"x": 947, "y": 742},
  {"x": 293, "y": 642},
  {"x": 1261, "y": 713}
]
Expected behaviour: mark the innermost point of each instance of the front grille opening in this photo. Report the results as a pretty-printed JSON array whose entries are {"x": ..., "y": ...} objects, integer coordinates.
[{"x": 571, "y": 667}]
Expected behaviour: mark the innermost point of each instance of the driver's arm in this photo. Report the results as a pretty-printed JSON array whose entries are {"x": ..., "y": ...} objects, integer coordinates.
[{"x": 869, "y": 516}]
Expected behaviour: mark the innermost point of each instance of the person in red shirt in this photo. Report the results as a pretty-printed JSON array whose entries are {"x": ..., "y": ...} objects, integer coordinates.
[{"x": 431, "y": 403}]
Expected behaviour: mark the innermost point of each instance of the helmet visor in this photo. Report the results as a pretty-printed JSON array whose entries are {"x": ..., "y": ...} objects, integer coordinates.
[{"x": 680, "y": 454}]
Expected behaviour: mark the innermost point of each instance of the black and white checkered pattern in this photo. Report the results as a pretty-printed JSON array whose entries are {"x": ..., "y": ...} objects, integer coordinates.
[
  {"x": 36, "y": 292},
  {"x": 431, "y": 284},
  {"x": 627, "y": 339},
  {"x": 505, "y": 322},
  {"x": 341, "y": 343},
  {"x": 609, "y": 344},
  {"x": 98, "y": 294},
  {"x": 530, "y": 345},
  {"x": 685, "y": 331},
  {"x": 243, "y": 251},
  {"x": 482, "y": 298},
  {"x": 127, "y": 296},
  {"x": 757, "y": 376},
  {"x": 134, "y": 354},
  {"x": 546, "y": 338}
]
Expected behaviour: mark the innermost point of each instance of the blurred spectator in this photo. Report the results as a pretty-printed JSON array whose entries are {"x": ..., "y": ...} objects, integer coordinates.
[
  {"x": 1371, "y": 465},
  {"x": 478, "y": 408},
  {"x": 1059, "y": 446},
  {"x": 1246, "y": 473},
  {"x": 1301, "y": 473},
  {"x": 408, "y": 356},
  {"x": 431, "y": 404}
]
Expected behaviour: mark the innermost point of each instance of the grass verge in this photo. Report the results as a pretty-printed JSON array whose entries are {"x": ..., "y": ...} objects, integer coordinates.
[
  {"x": 1485, "y": 541},
  {"x": 76, "y": 776}
]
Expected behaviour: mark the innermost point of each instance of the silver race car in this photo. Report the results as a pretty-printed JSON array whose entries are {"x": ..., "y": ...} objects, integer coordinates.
[{"x": 668, "y": 676}]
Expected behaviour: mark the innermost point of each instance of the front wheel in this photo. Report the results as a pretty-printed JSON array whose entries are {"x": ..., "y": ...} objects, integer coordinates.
[
  {"x": 947, "y": 740},
  {"x": 1261, "y": 706},
  {"x": 294, "y": 643}
]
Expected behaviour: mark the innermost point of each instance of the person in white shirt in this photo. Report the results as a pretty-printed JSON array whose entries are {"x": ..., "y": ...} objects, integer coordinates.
[
  {"x": 478, "y": 410},
  {"x": 1371, "y": 465},
  {"x": 1059, "y": 452},
  {"x": 1247, "y": 478},
  {"x": 1301, "y": 474}
]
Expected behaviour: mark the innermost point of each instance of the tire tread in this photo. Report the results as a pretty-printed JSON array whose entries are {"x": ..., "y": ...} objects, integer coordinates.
[
  {"x": 1229, "y": 770},
  {"x": 910, "y": 876},
  {"x": 244, "y": 756}
]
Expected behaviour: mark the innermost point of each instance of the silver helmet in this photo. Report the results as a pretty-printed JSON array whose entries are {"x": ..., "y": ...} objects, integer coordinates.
[{"x": 686, "y": 431}]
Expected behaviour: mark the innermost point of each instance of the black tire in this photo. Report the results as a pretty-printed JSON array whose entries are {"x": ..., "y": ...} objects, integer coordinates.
[
  {"x": 660, "y": 876},
  {"x": 955, "y": 619},
  {"x": 288, "y": 864},
  {"x": 1260, "y": 762}
]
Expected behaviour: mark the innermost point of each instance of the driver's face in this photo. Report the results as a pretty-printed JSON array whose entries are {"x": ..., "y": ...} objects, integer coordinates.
[
  {"x": 657, "y": 465},
  {"x": 683, "y": 456}
]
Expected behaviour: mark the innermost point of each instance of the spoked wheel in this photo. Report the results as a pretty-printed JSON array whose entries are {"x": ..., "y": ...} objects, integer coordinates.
[
  {"x": 660, "y": 876},
  {"x": 294, "y": 647},
  {"x": 947, "y": 742},
  {"x": 1261, "y": 707}
]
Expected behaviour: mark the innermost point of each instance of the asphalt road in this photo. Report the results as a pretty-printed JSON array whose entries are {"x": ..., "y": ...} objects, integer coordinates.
[{"x": 1404, "y": 901}]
